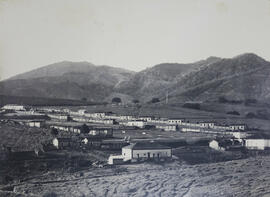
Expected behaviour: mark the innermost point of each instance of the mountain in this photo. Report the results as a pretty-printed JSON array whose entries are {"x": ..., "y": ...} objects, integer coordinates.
[
  {"x": 143, "y": 85},
  {"x": 66, "y": 80},
  {"x": 245, "y": 76}
]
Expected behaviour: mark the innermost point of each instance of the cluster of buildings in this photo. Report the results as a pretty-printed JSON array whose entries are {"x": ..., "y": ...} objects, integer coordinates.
[{"x": 142, "y": 151}]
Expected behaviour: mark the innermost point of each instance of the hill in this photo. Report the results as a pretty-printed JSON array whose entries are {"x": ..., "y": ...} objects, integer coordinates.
[
  {"x": 143, "y": 85},
  {"x": 243, "y": 77},
  {"x": 66, "y": 80},
  {"x": 239, "y": 78}
]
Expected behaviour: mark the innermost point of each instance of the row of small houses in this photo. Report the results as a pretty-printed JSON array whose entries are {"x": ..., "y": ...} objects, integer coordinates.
[
  {"x": 93, "y": 131},
  {"x": 234, "y": 144},
  {"x": 109, "y": 118},
  {"x": 87, "y": 143}
]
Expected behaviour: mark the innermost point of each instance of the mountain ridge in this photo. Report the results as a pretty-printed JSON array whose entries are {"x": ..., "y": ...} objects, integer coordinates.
[{"x": 240, "y": 77}]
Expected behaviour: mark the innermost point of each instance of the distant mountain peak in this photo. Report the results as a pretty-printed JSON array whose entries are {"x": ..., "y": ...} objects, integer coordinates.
[{"x": 249, "y": 56}]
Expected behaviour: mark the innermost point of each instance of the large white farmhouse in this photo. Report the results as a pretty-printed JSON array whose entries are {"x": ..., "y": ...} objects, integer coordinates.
[{"x": 143, "y": 151}]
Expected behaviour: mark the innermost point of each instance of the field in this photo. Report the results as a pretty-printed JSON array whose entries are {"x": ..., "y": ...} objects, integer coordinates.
[{"x": 246, "y": 177}]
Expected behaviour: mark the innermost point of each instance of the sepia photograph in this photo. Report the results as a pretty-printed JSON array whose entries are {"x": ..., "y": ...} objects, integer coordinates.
[{"x": 144, "y": 98}]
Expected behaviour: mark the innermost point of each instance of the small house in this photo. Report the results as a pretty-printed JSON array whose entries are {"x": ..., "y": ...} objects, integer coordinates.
[
  {"x": 145, "y": 151},
  {"x": 257, "y": 144},
  {"x": 175, "y": 121},
  {"x": 167, "y": 127}
]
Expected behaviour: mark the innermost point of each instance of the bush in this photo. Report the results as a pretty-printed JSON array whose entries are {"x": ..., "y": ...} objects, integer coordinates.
[
  {"x": 250, "y": 115},
  {"x": 155, "y": 100},
  {"x": 233, "y": 113},
  {"x": 192, "y": 105},
  {"x": 116, "y": 100},
  {"x": 136, "y": 101}
]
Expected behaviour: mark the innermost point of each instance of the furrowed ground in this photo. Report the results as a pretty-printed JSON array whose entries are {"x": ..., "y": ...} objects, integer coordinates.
[{"x": 246, "y": 177}]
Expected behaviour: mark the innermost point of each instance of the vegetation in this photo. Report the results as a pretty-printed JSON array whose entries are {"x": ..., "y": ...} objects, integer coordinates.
[
  {"x": 116, "y": 100},
  {"x": 222, "y": 99},
  {"x": 192, "y": 105},
  {"x": 37, "y": 101},
  {"x": 233, "y": 113},
  {"x": 136, "y": 101},
  {"x": 155, "y": 100}
]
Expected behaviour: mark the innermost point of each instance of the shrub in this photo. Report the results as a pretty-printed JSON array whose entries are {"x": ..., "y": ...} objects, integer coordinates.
[
  {"x": 155, "y": 100},
  {"x": 116, "y": 100},
  {"x": 192, "y": 105},
  {"x": 233, "y": 113},
  {"x": 250, "y": 115}
]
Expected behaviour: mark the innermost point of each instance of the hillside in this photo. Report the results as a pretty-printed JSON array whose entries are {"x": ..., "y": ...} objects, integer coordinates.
[
  {"x": 66, "y": 80},
  {"x": 143, "y": 85},
  {"x": 242, "y": 77}
]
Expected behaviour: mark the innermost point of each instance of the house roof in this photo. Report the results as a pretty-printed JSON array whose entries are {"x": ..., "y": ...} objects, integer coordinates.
[{"x": 146, "y": 146}]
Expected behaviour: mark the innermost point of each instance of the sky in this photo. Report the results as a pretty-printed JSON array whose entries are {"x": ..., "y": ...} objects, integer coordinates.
[{"x": 132, "y": 34}]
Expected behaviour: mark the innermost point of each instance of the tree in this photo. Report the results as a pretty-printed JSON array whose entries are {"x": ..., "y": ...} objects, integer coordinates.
[
  {"x": 84, "y": 99},
  {"x": 54, "y": 132},
  {"x": 192, "y": 105},
  {"x": 250, "y": 115},
  {"x": 155, "y": 100},
  {"x": 233, "y": 113},
  {"x": 136, "y": 101},
  {"x": 116, "y": 100},
  {"x": 84, "y": 129}
]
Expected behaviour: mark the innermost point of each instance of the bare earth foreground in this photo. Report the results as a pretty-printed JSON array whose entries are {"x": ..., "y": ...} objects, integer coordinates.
[{"x": 246, "y": 177}]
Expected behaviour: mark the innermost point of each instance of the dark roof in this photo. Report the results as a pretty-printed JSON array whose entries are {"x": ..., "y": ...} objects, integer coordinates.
[{"x": 146, "y": 146}]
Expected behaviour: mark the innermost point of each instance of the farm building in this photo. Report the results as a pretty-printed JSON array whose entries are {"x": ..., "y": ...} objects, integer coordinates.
[
  {"x": 82, "y": 111},
  {"x": 113, "y": 144},
  {"x": 116, "y": 159},
  {"x": 238, "y": 127},
  {"x": 143, "y": 151},
  {"x": 14, "y": 107},
  {"x": 240, "y": 134},
  {"x": 257, "y": 144},
  {"x": 102, "y": 132},
  {"x": 166, "y": 127},
  {"x": 139, "y": 124},
  {"x": 207, "y": 124},
  {"x": 35, "y": 123},
  {"x": 59, "y": 116},
  {"x": 146, "y": 118},
  {"x": 175, "y": 121}
]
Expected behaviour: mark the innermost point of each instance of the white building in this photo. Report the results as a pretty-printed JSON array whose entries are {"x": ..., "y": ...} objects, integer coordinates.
[
  {"x": 144, "y": 151},
  {"x": 35, "y": 123},
  {"x": 257, "y": 144},
  {"x": 237, "y": 127},
  {"x": 14, "y": 107},
  {"x": 82, "y": 111},
  {"x": 175, "y": 121},
  {"x": 167, "y": 127},
  {"x": 139, "y": 124},
  {"x": 239, "y": 134},
  {"x": 58, "y": 116},
  {"x": 115, "y": 159},
  {"x": 207, "y": 124}
]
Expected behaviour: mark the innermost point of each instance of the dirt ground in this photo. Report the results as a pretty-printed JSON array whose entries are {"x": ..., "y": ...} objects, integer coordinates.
[{"x": 246, "y": 177}]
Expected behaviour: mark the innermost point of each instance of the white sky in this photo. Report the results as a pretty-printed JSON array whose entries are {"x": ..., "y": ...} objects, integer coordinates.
[{"x": 132, "y": 34}]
